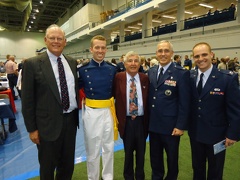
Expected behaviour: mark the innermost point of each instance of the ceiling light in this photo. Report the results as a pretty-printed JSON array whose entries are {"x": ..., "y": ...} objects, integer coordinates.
[
  {"x": 2, "y": 28},
  {"x": 156, "y": 21},
  {"x": 133, "y": 27},
  {"x": 188, "y": 12},
  {"x": 167, "y": 16},
  {"x": 30, "y": 26},
  {"x": 205, "y": 5},
  {"x": 127, "y": 30},
  {"x": 31, "y": 22},
  {"x": 140, "y": 24},
  {"x": 41, "y": 2}
]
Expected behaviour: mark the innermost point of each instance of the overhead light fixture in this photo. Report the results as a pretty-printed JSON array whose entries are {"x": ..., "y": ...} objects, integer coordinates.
[
  {"x": 156, "y": 21},
  {"x": 205, "y": 5},
  {"x": 2, "y": 28},
  {"x": 188, "y": 12},
  {"x": 167, "y": 16},
  {"x": 133, "y": 27},
  {"x": 140, "y": 24},
  {"x": 127, "y": 30},
  {"x": 41, "y": 2}
]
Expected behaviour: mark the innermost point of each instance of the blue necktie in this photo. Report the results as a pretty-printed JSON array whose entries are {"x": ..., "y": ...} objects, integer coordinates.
[{"x": 63, "y": 85}]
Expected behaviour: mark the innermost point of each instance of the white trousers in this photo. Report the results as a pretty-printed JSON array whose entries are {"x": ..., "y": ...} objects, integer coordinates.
[{"x": 98, "y": 135}]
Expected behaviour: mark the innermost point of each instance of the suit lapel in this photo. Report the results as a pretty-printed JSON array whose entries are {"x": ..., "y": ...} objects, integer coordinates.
[
  {"x": 48, "y": 73},
  {"x": 123, "y": 88},
  {"x": 194, "y": 75},
  {"x": 166, "y": 75},
  {"x": 143, "y": 88},
  {"x": 210, "y": 83}
]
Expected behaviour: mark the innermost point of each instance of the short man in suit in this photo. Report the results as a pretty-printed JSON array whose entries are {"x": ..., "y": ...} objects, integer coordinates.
[
  {"x": 133, "y": 128},
  {"x": 187, "y": 63},
  {"x": 215, "y": 113},
  {"x": 169, "y": 104},
  {"x": 49, "y": 106},
  {"x": 120, "y": 65}
]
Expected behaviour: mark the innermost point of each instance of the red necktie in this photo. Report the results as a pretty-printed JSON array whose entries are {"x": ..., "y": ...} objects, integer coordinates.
[{"x": 63, "y": 85}]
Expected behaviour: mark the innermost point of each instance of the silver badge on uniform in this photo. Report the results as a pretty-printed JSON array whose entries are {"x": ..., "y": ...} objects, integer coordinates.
[{"x": 168, "y": 92}]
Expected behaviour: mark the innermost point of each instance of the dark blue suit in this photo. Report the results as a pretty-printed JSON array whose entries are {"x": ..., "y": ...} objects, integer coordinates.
[
  {"x": 215, "y": 115},
  {"x": 169, "y": 101}
]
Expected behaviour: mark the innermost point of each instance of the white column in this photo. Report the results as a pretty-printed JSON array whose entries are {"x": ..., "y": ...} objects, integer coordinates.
[
  {"x": 121, "y": 32},
  {"x": 147, "y": 25},
  {"x": 180, "y": 14}
]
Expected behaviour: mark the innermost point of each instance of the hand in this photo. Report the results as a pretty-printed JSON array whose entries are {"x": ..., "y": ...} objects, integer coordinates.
[
  {"x": 177, "y": 132},
  {"x": 34, "y": 136},
  {"x": 229, "y": 142}
]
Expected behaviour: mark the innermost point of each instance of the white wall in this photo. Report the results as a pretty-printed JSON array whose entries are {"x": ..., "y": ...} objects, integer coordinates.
[{"x": 20, "y": 44}]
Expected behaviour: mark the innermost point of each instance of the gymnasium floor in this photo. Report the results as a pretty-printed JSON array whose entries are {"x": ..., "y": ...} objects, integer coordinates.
[{"x": 18, "y": 155}]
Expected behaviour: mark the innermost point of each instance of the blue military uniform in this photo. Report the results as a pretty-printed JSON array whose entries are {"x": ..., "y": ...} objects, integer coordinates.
[
  {"x": 99, "y": 120},
  {"x": 169, "y": 101},
  {"x": 215, "y": 115},
  {"x": 97, "y": 79}
]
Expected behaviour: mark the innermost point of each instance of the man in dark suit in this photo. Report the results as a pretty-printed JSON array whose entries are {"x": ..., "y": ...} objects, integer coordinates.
[
  {"x": 50, "y": 112},
  {"x": 133, "y": 129},
  {"x": 169, "y": 103},
  {"x": 187, "y": 63},
  {"x": 215, "y": 113}
]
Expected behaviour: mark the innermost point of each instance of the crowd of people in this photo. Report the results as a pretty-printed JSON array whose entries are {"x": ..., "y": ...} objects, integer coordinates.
[{"x": 136, "y": 97}]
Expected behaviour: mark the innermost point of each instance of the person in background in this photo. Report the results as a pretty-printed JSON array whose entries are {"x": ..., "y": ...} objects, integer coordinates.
[
  {"x": 177, "y": 60},
  {"x": 12, "y": 74},
  {"x": 133, "y": 128},
  {"x": 144, "y": 64},
  {"x": 169, "y": 107},
  {"x": 19, "y": 81},
  {"x": 2, "y": 68},
  {"x": 49, "y": 106},
  {"x": 114, "y": 61},
  {"x": 120, "y": 65},
  {"x": 215, "y": 114},
  {"x": 223, "y": 64},
  {"x": 214, "y": 63},
  {"x": 187, "y": 63},
  {"x": 99, "y": 117},
  {"x": 153, "y": 62}
]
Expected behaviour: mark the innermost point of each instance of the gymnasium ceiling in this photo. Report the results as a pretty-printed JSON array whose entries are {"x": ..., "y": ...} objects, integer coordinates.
[{"x": 18, "y": 15}]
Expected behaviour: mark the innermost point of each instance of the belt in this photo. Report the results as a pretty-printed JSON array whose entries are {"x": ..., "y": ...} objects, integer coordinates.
[{"x": 93, "y": 103}]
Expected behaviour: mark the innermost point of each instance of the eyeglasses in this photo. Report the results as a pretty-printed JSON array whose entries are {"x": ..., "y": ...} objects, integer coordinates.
[{"x": 52, "y": 39}]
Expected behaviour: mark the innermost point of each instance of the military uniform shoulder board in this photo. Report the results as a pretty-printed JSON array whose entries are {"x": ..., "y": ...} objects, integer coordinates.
[
  {"x": 227, "y": 72},
  {"x": 179, "y": 67}
]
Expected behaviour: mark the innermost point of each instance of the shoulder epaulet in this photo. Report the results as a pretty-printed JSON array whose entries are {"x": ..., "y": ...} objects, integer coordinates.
[
  {"x": 179, "y": 67},
  {"x": 110, "y": 63},
  {"x": 228, "y": 72}
]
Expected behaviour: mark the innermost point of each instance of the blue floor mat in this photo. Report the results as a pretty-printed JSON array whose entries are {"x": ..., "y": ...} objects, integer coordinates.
[{"x": 18, "y": 155}]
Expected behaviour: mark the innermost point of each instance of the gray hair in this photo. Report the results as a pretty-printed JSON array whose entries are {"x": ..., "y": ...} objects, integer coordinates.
[{"x": 131, "y": 53}]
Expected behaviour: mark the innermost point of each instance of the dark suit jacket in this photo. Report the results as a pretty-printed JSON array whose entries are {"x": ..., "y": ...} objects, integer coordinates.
[
  {"x": 169, "y": 99},
  {"x": 41, "y": 103},
  {"x": 215, "y": 114},
  {"x": 120, "y": 82}
]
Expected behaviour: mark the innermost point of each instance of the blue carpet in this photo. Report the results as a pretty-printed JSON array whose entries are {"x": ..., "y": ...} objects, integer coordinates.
[{"x": 18, "y": 156}]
